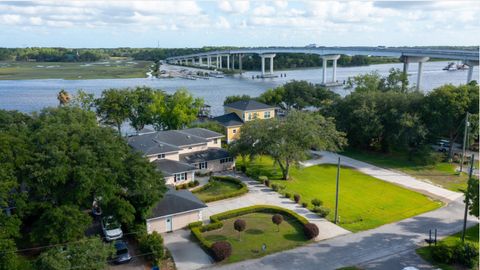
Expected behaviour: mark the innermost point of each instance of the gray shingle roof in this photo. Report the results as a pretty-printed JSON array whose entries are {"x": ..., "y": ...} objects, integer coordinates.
[
  {"x": 202, "y": 132},
  {"x": 248, "y": 105},
  {"x": 179, "y": 139},
  {"x": 170, "y": 167},
  {"x": 148, "y": 145},
  {"x": 176, "y": 201},
  {"x": 210, "y": 154},
  {"x": 229, "y": 119}
]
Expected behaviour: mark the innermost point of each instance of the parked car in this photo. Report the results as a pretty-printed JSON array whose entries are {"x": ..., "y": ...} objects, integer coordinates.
[
  {"x": 443, "y": 145},
  {"x": 111, "y": 228},
  {"x": 122, "y": 255}
]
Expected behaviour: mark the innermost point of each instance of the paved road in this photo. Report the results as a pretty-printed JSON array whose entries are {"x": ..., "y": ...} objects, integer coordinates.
[
  {"x": 391, "y": 176},
  {"x": 372, "y": 248},
  {"x": 186, "y": 253},
  {"x": 260, "y": 194}
]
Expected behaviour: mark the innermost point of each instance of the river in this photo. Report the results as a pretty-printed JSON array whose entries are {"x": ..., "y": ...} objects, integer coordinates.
[{"x": 33, "y": 95}]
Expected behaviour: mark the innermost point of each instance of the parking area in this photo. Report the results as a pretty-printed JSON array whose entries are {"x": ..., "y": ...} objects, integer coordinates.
[{"x": 188, "y": 255}]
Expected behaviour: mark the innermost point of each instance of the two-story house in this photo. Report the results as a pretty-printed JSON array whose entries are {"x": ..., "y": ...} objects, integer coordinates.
[
  {"x": 178, "y": 154},
  {"x": 239, "y": 112}
]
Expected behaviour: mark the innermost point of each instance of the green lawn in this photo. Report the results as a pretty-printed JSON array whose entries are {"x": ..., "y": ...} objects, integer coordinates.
[
  {"x": 442, "y": 173},
  {"x": 470, "y": 236},
  {"x": 215, "y": 189},
  {"x": 74, "y": 71},
  {"x": 260, "y": 230},
  {"x": 365, "y": 202}
]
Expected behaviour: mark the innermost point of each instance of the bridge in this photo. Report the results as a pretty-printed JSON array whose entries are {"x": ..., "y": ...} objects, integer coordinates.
[{"x": 406, "y": 55}]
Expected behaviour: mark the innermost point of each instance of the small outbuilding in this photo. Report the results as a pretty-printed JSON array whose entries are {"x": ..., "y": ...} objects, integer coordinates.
[{"x": 176, "y": 210}]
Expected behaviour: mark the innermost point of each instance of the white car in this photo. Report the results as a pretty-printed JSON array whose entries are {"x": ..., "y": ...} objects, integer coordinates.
[{"x": 111, "y": 228}]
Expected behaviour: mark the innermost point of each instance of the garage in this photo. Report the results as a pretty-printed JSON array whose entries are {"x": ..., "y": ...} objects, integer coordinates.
[{"x": 175, "y": 211}]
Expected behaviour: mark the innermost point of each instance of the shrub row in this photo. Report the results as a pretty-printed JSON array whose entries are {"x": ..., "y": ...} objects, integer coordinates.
[
  {"x": 242, "y": 188},
  {"x": 187, "y": 185},
  {"x": 310, "y": 229},
  {"x": 465, "y": 254}
]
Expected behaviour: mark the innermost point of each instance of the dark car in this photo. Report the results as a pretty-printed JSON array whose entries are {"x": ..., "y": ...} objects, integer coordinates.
[{"x": 122, "y": 255}]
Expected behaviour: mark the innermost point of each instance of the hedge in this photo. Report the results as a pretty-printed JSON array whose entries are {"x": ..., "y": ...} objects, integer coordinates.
[
  {"x": 216, "y": 221},
  {"x": 243, "y": 188}
]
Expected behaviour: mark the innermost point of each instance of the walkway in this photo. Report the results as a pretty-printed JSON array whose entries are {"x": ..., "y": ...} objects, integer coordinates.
[
  {"x": 260, "y": 194},
  {"x": 368, "y": 248},
  {"x": 391, "y": 176},
  {"x": 186, "y": 253}
]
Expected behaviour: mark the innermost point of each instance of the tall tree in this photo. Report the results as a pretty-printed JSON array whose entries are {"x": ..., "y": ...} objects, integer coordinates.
[
  {"x": 113, "y": 107},
  {"x": 84, "y": 100},
  {"x": 235, "y": 98},
  {"x": 140, "y": 99},
  {"x": 181, "y": 110}
]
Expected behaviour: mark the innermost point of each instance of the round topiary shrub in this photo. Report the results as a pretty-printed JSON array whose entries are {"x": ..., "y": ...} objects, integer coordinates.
[
  {"x": 221, "y": 250},
  {"x": 316, "y": 202},
  {"x": 277, "y": 219},
  {"x": 267, "y": 183},
  {"x": 321, "y": 211},
  {"x": 288, "y": 195},
  {"x": 311, "y": 230},
  {"x": 305, "y": 204},
  {"x": 239, "y": 225},
  {"x": 296, "y": 198}
]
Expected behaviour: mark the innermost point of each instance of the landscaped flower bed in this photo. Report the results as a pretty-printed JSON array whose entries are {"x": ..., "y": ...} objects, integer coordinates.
[
  {"x": 219, "y": 188},
  {"x": 260, "y": 229}
]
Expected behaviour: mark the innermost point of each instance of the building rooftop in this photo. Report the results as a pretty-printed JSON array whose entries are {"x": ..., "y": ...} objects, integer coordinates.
[
  {"x": 171, "y": 167},
  {"x": 229, "y": 119},
  {"x": 176, "y": 201},
  {"x": 179, "y": 139},
  {"x": 248, "y": 105},
  {"x": 210, "y": 154},
  {"x": 148, "y": 145},
  {"x": 202, "y": 132}
]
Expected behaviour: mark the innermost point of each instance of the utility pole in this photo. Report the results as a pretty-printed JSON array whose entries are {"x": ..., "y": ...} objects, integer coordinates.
[
  {"x": 467, "y": 199},
  {"x": 465, "y": 136},
  {"x": 336, "y": 195}
]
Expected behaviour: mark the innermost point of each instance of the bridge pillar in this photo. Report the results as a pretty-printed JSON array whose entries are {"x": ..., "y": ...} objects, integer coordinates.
[
  {"x": 209, "y": 61},
  {"x": 233, "y": 62},
  {"x": 325, "y": 59},
  {"x": 228, "y": 61},
  {"x": 200, "y": 61},
  {"x": 271, "y": 56},
  {"x": 240, "y": 62},
  {"x": 221, "y": 61},
  {"x": 413, "y": 59},
  {"x": 471, "y": 65}
]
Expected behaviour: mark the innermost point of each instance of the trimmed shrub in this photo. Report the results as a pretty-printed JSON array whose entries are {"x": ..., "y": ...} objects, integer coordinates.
[
  {"x": 321, "y": 211},
  {"x": 221, "y": 250},
  {"x": 311, "y": 230},
  {"x": 195, "y": 224},
  {"x": 288, "y": 195},
  {"x": 239, "y": 225},
  {"x": 152, "y": 244},
  {"x": 267, "y": 183},
  {"x": 442, "y": 253},
  {"x": 465, "y": 254},
  {"x": 262, "y": 178},
  {"x": 281, "y": 187},
  {"x": 242, "y": 188},
  {"x": 275, "y": 187},
  {"x": 196, "y": 183},
  {"x": 277, "y": 219},
  {"x": 305, "y": 204},
  {"x": 296, "y": 198},
  {"x": 212, "y": 226},
  {"x": 316, "y": 202}
]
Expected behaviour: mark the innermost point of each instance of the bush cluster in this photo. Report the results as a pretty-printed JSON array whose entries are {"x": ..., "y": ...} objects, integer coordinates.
[
  {"x": 221, "y": 250},
  {"x": 242, "y": 188},
  {"x": 152, "y": 245},
  {"x": 187, "y": 185},
  {"x": 305, "y": 204},
  {"x": 296, "y": 198},
  {"x": 288, "y": 195},
  {"x": 262, "y": 178},
  {"x": 311, "y": 230},
  {"x": 317, "y": 202},
  {"x": 321, "y": 211},
  {"x": 465, "y": 254}
]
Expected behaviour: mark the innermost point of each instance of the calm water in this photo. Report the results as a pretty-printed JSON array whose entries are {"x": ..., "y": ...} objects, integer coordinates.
[{"x": 33, "y": 95}]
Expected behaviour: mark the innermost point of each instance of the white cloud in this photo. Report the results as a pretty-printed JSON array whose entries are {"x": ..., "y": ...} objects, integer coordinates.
[
  {"x": 264, "y": 10},
  {"x": 222, "y": 23},
  {"x": 235, "y": 6}
]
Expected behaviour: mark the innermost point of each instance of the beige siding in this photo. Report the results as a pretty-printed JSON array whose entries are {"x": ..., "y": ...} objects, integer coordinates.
[
  {"x": 260, "y": 114},
  {"x": 232, "y": 136},
  {"x": 171, "y": 156},
  {"x": 192, "y": 149},
  {"x": 216, "y": 166},
  {"x": 211, "y": 143},
  {"x": 170, "y": 180},
  {"x": 179, "y": 221}
]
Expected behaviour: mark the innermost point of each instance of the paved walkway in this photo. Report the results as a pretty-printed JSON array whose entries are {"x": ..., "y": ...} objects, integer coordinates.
[
  {"x": 187, "y": 254},
  {"x": 372, "y": 249},
  {"x": 395, "y": 177},
  {"x": 260, "y": 194}
]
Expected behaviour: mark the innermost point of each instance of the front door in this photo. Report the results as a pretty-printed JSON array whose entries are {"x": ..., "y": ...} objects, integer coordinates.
[{"x": 169, "y": 224}]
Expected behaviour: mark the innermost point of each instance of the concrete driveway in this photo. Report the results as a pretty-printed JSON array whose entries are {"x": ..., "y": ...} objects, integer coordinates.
[
  {"x": 188, "y": 255},
  {"x": 260, "y": 194}
]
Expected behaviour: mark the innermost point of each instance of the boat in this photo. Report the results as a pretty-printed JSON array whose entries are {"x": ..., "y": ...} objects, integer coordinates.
[
  {"x": 462, "y": 67},
  {"x": 450, "y": 67}
]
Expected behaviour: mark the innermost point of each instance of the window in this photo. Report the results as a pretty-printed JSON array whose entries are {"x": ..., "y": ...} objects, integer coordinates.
[
  {"x": 180, "y": 177},
  {"x": 234, "y": 131},
  {"x": 255, "y": 115},
  {"x": 161, "y": 156},
  {"x": 266, "y": 114},
  {"x": 225, "y": 160},
  {"x": 202, "y": 165},
  {"x": 215, "y": 141}
]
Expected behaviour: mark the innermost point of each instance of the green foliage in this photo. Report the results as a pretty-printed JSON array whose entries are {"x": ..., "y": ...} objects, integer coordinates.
[
  {"x": 113, "y": 107},
  {"x": 181, "y": 109},
  {"x": 241, "y": 188},
  {"x": 321, "y": 211},
  {"x": 61, "y": 224},
  {"x": 296, "y": 198},
  {"x": 235, "y": 98},
  {"x": 465, "y": 254},
  {"x": 305, "y": 204},
  {"x": 316, "y": 202},
  {"x": 9, "y": 259},
  {"x": 83, "y": 100},
  {"x": 472, "y": 194},
  {"x": 195, "y": 224},
  {"x": 210, "y": 125},
  {"x": 152, "y": 244},
  {"x": 53, "y": 259}
]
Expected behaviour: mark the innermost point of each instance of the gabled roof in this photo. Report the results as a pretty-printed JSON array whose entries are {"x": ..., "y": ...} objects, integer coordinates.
[
  {"x": 202, "y": 133},
  {"x": 177, "y": 138},
  {"x": 229, "y": 119},
  {"x": 171, "y": 167},
  {"x": 176, "y": 201},
  {"x": 248, "y": 105},
  {"x": 207, "y": 155},
  {"x": 148, "y": 145}
]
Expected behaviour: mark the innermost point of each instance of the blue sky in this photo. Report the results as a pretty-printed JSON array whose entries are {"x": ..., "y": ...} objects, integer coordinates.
[{"x": 237, "y": 23}]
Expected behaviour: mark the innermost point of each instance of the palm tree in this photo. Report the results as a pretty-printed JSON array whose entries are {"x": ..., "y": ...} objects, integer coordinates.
[{"x": 63, "y": 97}]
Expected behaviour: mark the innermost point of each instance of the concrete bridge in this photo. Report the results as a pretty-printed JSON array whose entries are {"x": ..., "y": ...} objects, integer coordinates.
[{"x": 406, "y": 56}]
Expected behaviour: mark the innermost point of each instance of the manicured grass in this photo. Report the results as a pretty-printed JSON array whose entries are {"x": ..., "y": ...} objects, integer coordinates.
[
  {"x": 74, "y": 71},
  {"x": 471, "y": 236},
  {"x": 215, "y": 189},
  {"x": 259, "y": 230},
  {"x": 442, "y": 173},
  {"x": 364, "y": 201}
]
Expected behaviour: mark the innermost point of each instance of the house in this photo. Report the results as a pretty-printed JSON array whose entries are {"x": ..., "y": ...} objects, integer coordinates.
[
  {"x": 175, "y": 211},
  {"x": 239, "y": 112},
  {"x": 178, "y": 154}
]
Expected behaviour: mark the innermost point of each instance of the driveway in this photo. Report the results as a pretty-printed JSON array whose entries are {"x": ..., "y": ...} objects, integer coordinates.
[
  {"x": 391, "y": 176},
  {"x": 379, "y": 248},
  {"x": 187, "y": 254},
  {"x": 260, "y": 194}
]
